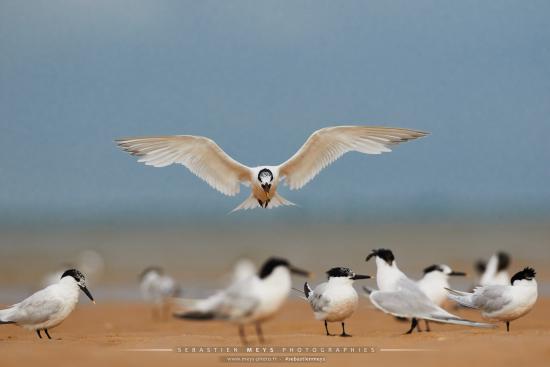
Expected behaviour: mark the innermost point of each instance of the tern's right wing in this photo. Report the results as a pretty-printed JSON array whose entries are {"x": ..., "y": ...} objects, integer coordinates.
[
  {"x": 37, "y": 308},
  {"x": 318, "y": 301},
  {"x": 200, "y": 155},
  {"x": 489, "y": 299},
  {"x": 408, "y": 304}
]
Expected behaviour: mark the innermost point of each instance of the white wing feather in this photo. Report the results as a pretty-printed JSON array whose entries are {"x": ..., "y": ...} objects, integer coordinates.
[
  {"x": 326, "y": 145},
  {"x": 200, "y": 155}
]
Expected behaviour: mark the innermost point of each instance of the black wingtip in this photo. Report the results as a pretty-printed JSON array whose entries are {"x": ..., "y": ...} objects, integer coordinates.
[{"x": 195, "y": 315}]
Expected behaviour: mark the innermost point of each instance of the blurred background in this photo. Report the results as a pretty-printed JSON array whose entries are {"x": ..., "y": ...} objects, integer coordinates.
[{"x": 259, "y": 78}]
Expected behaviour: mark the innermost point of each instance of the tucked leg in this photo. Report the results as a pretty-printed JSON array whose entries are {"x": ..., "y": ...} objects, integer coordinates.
[
  {"x": 344, "y": 331},
  {"x": 414, "y": 322}
]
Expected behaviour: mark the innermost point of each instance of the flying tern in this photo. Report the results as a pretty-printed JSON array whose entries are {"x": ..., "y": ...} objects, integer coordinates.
[
  {"x": 207, "y": 160},
  {"x": 250, "y": 300},
  {"x": 158, "y": 288},
  {"x": 48, "y": 307},
  {"x": 434, "y": 284},
  {"x": 400, "y": 296},
  {"x": 335, "y": 300},
  {"x": 502, "y": 302}
]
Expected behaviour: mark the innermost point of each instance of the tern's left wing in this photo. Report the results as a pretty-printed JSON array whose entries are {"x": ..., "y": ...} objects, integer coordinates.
[
  {"x": 318, "y": 300},
  {"x": 200, "y": 155},
  {"x": 489, "y": 299},
  {"x": 404, "y": 303},
  {"x": 327, "y": 145},
  {"x": 37, "y": 308}
]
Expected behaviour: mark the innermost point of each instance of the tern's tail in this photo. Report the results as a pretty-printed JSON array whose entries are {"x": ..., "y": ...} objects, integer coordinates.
[
  {"x": 5, "y": 316},
  {"x": 459, "y": 321},
  {"x": 251, "y": 203},
  {"x": 278, "y": 200},
  {"x": 464, "y": 298}
]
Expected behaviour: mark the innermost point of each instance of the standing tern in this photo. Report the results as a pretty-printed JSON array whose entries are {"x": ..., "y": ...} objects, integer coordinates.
[
  {"x": 502, "y": 302},
  {"x": 158, "y": 288},
  {"x": 496, "y": 270},
  {"x": 335, "y": 300},
  {"x": 48, "y": 307},
  {"x": 400, "y": 296},
  {"x": 207, "y": 160},
  {"x": 434, "y": 284},
  {"x": 250, "y": 300}
]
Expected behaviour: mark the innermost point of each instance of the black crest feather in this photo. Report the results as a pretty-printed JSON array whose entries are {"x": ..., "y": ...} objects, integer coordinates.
[
  {"x": 78, "y": 276},
  {"x": 339, "y": 272},
  {"x": 527, "y": 273},
  {"x": 271, "y": 264},
  {"x": 382, "y": 253}
]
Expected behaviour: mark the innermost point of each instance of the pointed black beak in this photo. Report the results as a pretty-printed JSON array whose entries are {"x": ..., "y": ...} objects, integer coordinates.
[
  {"x": 359, "y": 276},
  {"x": 298, "y": 271},
  {"x": 458, "y": 273},
  {"x": 266, "y": 187},
  {"x": 87, "y": 292}
]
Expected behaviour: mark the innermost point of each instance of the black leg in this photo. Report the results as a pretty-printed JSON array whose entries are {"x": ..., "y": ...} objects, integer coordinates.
[
  {"x": 414, "y": 322},
  {"x": 46, "y": 331},
  {"x": 38, "y": 332},
  {"x": 259, "y": 333},
  {"x": 344, "y": 331},
  {"x": 427, "y": 325},
  {"x": 508, "y": 326},
  {"x": 326, "y": 328},
  {"x": 242, "y": 335},
  {"x": 261, "y": 203}
]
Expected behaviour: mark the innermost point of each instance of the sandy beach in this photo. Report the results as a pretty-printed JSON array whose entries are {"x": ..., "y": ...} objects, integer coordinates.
[{"x": 118, "y": 333}]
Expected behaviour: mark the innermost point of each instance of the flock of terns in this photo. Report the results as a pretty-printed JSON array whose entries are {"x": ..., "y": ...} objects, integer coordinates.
[{"x": 254, "y": 297}]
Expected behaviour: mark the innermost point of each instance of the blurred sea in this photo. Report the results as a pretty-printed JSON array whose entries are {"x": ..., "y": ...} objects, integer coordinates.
[{"x": 200, "y": 255}]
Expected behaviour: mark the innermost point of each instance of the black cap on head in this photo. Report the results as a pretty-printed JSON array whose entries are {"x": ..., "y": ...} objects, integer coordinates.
[
  {"x": 527, "y": 273},
  {"x": 382, "y": 253},
  {"x": 503, "y": 261},
  {"x": 480, "y": 266},
  {"x": 78, "y": 276},
  {"x": 80, "y": 280},
  {"x": 270, "y": 264},
  {"x": 431, "y": 268},
  {"x": 340, "y": 272},
  {"x": 264, "y": 172}
]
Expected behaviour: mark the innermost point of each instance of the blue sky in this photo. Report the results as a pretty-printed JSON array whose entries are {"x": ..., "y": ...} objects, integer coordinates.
[{"x": 258, "y": 77}]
